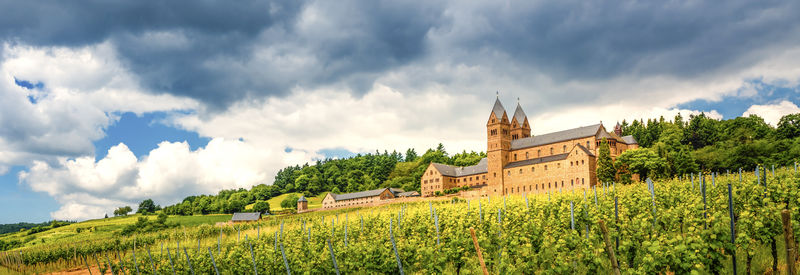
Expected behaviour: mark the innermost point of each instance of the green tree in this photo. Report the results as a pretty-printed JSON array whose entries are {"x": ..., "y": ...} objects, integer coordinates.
[
  {"x": 290, "y": 202},
  {"x": 147, "y": 206},
  {"x": 789, "y": 126},
  {"x": 640, "y": 161},
  {"x": 605, "y": 165},
  {"x": 235, "y": 205},
  {"x": 261, "y": 207},
  {"x": 411, "y": 155},
  {"x": 122, "y": 211}
]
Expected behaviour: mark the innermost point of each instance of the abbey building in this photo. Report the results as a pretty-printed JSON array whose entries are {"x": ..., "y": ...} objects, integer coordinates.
[{"x": 518, "y": 163}]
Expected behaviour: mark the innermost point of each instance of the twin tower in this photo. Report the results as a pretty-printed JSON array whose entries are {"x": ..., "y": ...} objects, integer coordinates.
[{"x": 500, "y": 131}]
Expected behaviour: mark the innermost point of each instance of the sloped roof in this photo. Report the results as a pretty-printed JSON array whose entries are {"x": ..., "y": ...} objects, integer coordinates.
[
  {"x": 519, "y": 115},
  {"x": 396, "y": 191},
  {"x": 358, "y": 195},
  {"x": 246, "y": 216},
  {"x": 498, "y": 109},
  {"x": 537, "y": 160},
  {"x": 629, "y": 140},
  {"x": 408, "y": 194},
  {"x": 580, "y": 132},
  {"x": 302, "y": 199},
  {"x": 585, "y": 150},
  {"x": 455, "y": 171}
]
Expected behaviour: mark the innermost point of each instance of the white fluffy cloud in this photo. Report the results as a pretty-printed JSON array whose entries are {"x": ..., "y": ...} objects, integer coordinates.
[
  {"x": 82, "y": 90},
  {"x": 88, "y": 189},
  {"x": 772, "y": 113}
]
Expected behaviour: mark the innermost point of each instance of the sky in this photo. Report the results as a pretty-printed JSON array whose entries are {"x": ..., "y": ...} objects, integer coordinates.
[{"x": 107, "y": 103}]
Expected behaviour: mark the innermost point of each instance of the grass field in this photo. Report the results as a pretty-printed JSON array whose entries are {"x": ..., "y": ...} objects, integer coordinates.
[
  {"x": 102, "y": 228},
  {"x": 275, "y": 203}
]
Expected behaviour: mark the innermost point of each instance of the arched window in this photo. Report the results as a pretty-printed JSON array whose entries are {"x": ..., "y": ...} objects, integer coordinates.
[
  {"x": 571, "y": 182},
  {"x": 551, "y": 150},
  {"x": 515, "y": 156},
  {"x": 526, "y": 155},
  {"x": 588, "y": 146},
  {"x": 520, "y": 171},
  {"x": 565, "y": 148}
]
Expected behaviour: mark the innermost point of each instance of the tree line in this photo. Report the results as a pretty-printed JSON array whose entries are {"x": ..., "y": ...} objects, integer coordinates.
[
  {"x": 352, "y": 174},
  {"x": 682, "y": 146}
]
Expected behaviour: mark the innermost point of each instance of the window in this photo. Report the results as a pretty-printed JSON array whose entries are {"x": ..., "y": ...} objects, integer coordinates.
[
  {"x": 545, "y": 167},
  {"x": 572, "y": 182},
  {"x": 495, "y": 175},
  {"x": 565, "y": 148},
  {"x": 558, "y": 165},
  {"x": 570, "y": 164},
  {"x": 526, "y": 155},
  {"x": 520, "y": 171},
  {"x": 517, "y": 189},
  {"x": 484, "y": 176},
  {"x": 582, "y": 182},
  {"x": 581, "y": 161},
  {"x": 551, "y": 150},
  {"x": 509, "y": 173},
  {"x": 539, "y": 153},
  {"x": 532, "y": 169},
  {"x": 515, "y": 157},
  {"x": 562, "y": 184},
  {"x": 588, "y": 146}
]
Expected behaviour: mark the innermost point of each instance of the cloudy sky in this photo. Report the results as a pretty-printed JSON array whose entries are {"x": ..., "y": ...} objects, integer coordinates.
[{"x": 106, "y": 103}]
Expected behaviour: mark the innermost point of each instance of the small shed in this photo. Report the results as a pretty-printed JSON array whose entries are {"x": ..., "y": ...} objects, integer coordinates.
[
  {"x": 408, "y": 194},
  {"x": 302, "y": 204},
  {"x": 245, "y": 217}
]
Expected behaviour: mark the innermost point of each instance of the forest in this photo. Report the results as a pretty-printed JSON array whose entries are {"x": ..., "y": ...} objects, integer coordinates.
[{"x": 669, "y": 148}]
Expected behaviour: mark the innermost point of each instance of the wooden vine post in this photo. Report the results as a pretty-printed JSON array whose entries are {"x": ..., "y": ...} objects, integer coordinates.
[
  {"x": 609, "y": 249},
  {"x": 789, "y": 238},
  {"x": 478, "y": 249}
]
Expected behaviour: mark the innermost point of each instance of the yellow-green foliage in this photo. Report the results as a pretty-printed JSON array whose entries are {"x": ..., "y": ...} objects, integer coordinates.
[{"x": 517, "y": 235}]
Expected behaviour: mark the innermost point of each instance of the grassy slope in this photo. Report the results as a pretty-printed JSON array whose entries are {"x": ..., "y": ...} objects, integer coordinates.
[
  {"x": 104, "y": 228},
  {"x": 275, "y": 203}
]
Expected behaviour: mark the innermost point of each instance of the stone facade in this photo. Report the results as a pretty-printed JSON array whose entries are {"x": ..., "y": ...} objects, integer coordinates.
[
  {"x": 517, "y": 162},
  {"x": 364, "y": 198}
]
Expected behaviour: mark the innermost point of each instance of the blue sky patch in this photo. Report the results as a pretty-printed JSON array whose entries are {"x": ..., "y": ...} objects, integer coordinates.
[
  {"x": 143, "y": 133},
  {"x": 20, "y": 203},
  {"x": 28, "y": 85},
  {"x": 336, "y": 153},
  {"x": 733, "y": 106}
]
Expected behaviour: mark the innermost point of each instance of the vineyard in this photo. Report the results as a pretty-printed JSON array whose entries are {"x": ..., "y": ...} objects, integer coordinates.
[{"x": 681, "y": 225}]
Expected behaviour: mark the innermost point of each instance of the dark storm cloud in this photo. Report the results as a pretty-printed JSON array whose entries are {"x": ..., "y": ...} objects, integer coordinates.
[{"x": 222, "y": 53}]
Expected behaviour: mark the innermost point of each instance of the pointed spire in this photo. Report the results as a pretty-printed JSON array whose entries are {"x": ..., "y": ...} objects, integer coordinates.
[
  {"x": 498, "y": 109},
  {"x": 519, "y": 114}
]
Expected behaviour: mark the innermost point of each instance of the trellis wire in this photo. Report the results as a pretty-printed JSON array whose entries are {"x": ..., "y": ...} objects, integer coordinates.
[
  {"x": 653, "y": 197},
  {"x": 616, "y": 221},
  {"x": 345, "y": 232},
  {"x": 595, "y": 195},
  {"x": 285, "y": 263},
  {"x": 152, "y": 264},
  {"x": 84, "y": 261},
  {"x": 108, "y": 261},
  {"x": 572, "y": 215},
  {"x": 95, "y": 260},
  {"x": 120, "y": 259},
  {"x": 733, "y": 230},
  {"x": 213, "y": 263},
  {"x": 333, "y": 257},
  {"x": 188, "y": 261},
  {"x": 436, "y": 222},
  {"x": 394, "y": 246},
  {"x": 135, "y": 264},
  {"x": 480, "y": 213},
  {"x": 253, "y": 257},
  {"x": 703, "y": 191},
  {"x": 172, "y": 265}
]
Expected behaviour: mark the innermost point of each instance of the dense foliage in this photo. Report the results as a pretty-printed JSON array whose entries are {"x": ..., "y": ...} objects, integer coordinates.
[
  {"x": 680, "y": 147},
  {"x": 16, "y": 227}
]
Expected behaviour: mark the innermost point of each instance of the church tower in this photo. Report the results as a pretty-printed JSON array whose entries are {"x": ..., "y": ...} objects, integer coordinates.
[
  {"x": 498, "y": 133},
  {"x": 519, "y": 124}
]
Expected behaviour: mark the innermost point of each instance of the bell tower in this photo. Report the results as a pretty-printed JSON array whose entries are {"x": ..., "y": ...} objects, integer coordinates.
[
  {"x": 498, "y": 133},
  {"x": 520, "y": 128}
]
